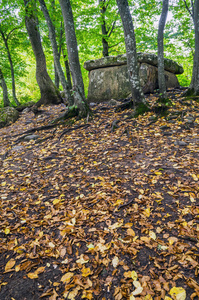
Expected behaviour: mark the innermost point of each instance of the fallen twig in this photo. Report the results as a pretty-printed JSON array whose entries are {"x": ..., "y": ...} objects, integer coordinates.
[{"x": 125, "y": 204}]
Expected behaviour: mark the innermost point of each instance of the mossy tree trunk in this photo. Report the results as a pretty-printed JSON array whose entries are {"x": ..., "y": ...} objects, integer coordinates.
[
  {"x": 80, "y": 103},
  {"x": 131, "y": 53},
  {"x": 194, "y": 86},
  {"x": 161, "y": 76},
  {"x": 6, "y": 101}
]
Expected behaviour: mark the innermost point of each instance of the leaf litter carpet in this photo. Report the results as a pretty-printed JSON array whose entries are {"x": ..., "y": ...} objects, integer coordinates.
[{"x": 95, "y": 211}]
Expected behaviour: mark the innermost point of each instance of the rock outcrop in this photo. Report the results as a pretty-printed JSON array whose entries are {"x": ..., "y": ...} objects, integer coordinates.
[
  {"x": 8, "y": 115},
  {"x": 108, "y": 76}
]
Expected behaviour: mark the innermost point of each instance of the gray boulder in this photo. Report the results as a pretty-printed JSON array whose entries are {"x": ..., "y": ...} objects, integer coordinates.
[
  {"x": 8, "y": 115},
  {"x": 108, "y": 76}
]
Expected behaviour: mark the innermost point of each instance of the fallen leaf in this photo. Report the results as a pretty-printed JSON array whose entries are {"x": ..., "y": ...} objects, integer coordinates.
[
  {"x": 9, "y": 265},
  {"x": 178, "y": 293},
  {"x": 115, "y": 261},
  {"x": 67, "y": 277}
]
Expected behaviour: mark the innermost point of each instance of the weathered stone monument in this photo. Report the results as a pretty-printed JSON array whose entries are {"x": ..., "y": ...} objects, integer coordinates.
[{"x": 108, "y": 76}]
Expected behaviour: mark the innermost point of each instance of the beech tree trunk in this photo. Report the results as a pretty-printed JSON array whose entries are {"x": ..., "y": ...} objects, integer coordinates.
[
  {"x": 130, "y": 43},
  {"x": 52, "y": 36},
  {"x": 78, "y": 86},
  {"x": 49, "y": 92},
  {"x": 102, "y": 5},
  {"x": 194, "y": 86},
  {"x": 161, "y": 76},
  {"x": 11, "y": 68},
  {"x": 6, "y": 101},
  {"x": 67, "y": 68}
]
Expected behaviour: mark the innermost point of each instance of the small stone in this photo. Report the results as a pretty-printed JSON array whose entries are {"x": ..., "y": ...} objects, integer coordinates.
[
  {"x": 180, "y": 143},
  {"x": 152, "y": 118},
  {"x": 16, "y": 148},
  {"x": 31, "y": 137},
  {"x": 164, "y": 127}
]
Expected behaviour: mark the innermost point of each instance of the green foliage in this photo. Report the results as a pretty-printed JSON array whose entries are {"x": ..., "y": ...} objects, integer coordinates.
[{"x": 179, "y": 38}]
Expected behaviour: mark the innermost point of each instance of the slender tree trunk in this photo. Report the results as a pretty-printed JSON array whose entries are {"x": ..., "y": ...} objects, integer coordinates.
[
  {"x": 52, "y": 36},
  {"x": 102, "y": 6},
  {"x": 11, "y": 68},
  {"x": 67, "y": 68},
  {"x": 59, "y": 52},
  {"x": 194, "y": 86},
  {"x": 78, "y": 86},
  {"x": 129, "y": 35},
  {"x": 49, "y": 92},
  {"x": 161, "y": 76},
  {"x": 6, "y": 101}
]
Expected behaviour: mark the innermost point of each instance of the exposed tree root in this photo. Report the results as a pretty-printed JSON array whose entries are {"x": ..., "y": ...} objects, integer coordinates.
[{"x": 73, "y": 128}]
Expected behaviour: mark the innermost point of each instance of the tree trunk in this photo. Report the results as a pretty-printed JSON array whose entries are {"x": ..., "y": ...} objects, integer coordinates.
[
  {"x": 161, "y": 76},
  {"x": 52, "y": 36},
  {"x": 6, "y": 101},
  {"x": 102, "y": 5},
  {"x": 11, "y": 68},
  {"x": 78, "y": 86},
  {"x": 67, "y": 70},
  {"x": 130, "y": 43},
  {"x": 194, "y": 86},
  {"x": 49, "y": 93}
]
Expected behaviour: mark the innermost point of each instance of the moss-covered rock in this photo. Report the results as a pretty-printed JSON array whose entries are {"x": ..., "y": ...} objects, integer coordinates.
[{"x": 8, "y": 115}]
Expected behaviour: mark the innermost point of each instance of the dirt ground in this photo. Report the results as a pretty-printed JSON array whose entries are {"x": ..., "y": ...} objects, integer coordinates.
[{"x": 106, "y": 208}]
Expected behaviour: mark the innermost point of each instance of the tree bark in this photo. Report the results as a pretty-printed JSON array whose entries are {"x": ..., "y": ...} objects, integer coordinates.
[
  {"x": 67, "y": 68},
  {"x": 102, "y": 6},
  {"x": 130, "y": 43},
  {"x": 6, "y": 101},
  {"x": 11, "y": 68},
  {"x": 49, "y": 92},
  {"x": 161, "y": 76},
  {"x": 80, "y": 102},
  {"x": 194, "y": 86},
  {"x": 52, "y": 36}
]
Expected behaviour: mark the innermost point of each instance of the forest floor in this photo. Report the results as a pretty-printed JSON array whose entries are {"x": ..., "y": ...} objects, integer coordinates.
[{"x": 104, "y": 209}]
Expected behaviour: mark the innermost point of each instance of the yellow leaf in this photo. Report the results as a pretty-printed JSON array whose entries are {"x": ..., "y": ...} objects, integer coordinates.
[
  {"x": 134, "y": 275},
  {"x": 158, "y": 173},
  {"x": 131, "y": 232},
  {"x": 86, "y": 272},
  {"x": 67, "y": 277},
  {"x": 194, "y": 177},
  {"x": 118, "y": 202},
  {"x": 56, "y": 201},
  {"x": 178, "y": 293},
  {"x": 7, "y": 231},
  {"x": 167, "y": 298},
  {"x": 147, "y": 212},
  {"x": 172, "y": 239},
  {"x": 70, "y": 150},
  {"x": 149, "y": 297},
  {"x": 9, "y": 265},
  {"x": 3, "y": 183},
  {"x": 132, "y": 297},
  {"x": 32, "y": 275},
  {"x": 17, "y": 268}
]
